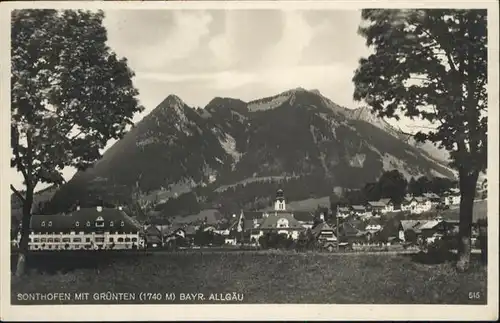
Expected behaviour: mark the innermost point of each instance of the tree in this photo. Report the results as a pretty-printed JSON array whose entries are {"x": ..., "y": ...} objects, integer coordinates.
[
  {"x": 440, "y": 185},
  {"x": 411, "y": 236},
  {"x": 372, "y": 191},
  {"x": 202, "y": 237},
  {"x": 392, "y": 184},
  {"x": 356, "y": 197},
  {"x": 431, "y": 64},
  {"x": 70, "y": 95},
  {"x": 420, "y": 186}
]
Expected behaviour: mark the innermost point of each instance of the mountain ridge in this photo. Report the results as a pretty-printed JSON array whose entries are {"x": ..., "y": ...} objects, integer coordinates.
[{"x": 177, "y": 149}]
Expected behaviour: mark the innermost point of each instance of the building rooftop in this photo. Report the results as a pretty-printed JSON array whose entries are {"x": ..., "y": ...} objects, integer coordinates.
[
  {"x": 86, "y": 220},
  {"x": 271, "y": 222}
]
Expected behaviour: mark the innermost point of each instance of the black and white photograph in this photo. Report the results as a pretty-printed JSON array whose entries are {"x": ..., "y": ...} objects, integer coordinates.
[{"x": 319, "y": 159}]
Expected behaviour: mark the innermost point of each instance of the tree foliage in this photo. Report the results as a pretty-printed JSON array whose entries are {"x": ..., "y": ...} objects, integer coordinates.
[
  {"x": 274, "y": 240},
  {"x": 70, "y": 92},
  {"x": 392, "y": 184},
  {"x": 423, "y": 184},
  {"x": 70, "y": 95},
  {"x": 431, "y": 64}
]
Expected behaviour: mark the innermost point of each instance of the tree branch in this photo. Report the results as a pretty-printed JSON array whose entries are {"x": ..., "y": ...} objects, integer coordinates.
[
  {"x": 446, "y": 52},
  {"x": 18, "y": 194}
]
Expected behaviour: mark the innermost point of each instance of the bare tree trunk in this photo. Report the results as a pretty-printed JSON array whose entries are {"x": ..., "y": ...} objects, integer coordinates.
[
  {"x": 25, "y": 232},
  {"x": 467, "y": 188}
]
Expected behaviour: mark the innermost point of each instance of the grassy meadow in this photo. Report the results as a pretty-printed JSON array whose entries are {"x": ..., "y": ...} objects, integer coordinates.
[
  {"x": 480, "y": 211},
  {"x": 261, "y": 276}
]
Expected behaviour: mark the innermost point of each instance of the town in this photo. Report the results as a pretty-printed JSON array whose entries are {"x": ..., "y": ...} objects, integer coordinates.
[{"x": 417, "y": 223}]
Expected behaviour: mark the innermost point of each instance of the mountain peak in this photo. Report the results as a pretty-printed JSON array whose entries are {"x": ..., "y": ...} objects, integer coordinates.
[
  {"x": 172, "y": 105},
  {"x": 218, "y": 99},
  {"x": 173, "y": 100},
  {"x": 225, "y": 103},
  {"x": 301, "y": 90}
]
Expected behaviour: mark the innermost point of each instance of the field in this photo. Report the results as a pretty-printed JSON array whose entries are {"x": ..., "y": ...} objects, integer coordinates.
[
  {"x": 261, "y": 277},
  {"x": 480, "y": 211},
  {"x": 309, "y": 204}
]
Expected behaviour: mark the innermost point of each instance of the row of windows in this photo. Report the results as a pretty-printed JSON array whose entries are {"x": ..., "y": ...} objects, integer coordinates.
[
  {"x": 98, "y": 239},
  {"x": 60, "y": 247},
  {"x": 74, "y": 233},
  {"x": 97, "y": 223}
]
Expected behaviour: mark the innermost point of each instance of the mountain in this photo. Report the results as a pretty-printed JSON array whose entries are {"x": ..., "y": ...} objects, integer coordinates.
[
  {"x": 427, "y": 147},
  {"x": 199, "y": 156}
]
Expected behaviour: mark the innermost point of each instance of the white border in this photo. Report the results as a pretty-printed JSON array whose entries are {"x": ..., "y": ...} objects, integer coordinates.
[{"x": 267, "y": 311}]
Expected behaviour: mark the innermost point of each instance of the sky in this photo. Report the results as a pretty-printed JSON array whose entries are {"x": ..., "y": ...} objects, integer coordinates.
[{"x": 246, "y": 54}]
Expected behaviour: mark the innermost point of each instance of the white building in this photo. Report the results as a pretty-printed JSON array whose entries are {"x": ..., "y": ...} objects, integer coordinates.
[
  {"x": 452, "y": 199},
  {"x": 279, "y": 220},
  {"x": 381, "y": 206},
  {"x": 416, "y": 205},
  {"x": 85, "y": 229}
]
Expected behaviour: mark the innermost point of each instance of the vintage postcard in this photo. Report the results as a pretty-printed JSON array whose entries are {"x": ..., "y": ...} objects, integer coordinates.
[{"x": 249, "y": 160}]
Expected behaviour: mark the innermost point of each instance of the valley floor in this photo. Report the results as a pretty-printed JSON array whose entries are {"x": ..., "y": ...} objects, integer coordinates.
[{"x": 263, "y": 277}]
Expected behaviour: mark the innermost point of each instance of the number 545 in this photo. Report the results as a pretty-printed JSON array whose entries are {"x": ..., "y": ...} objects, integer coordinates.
[{"x": 474, "y": 295}]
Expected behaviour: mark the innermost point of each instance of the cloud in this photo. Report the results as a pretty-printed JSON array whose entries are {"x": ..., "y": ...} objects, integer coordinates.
[
  {"x": 180, "y": 41},
  {"x": 246, "y": 37},
  {"x": 297, "y": 35},
  {"x": 264, "y": 39},
  {"x": 154, "y": 40},
  {"x": 277, "y": 78},
  {"x": 223, "y": 50}
]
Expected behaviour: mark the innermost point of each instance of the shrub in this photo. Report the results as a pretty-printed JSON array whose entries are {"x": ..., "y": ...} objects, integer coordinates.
[{"x": 276, "y": 241}]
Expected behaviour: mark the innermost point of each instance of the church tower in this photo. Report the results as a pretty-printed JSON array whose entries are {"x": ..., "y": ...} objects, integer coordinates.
[{"x": 279, "y": 202}]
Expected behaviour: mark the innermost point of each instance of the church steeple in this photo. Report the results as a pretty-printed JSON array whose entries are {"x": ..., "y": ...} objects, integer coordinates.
[{"x": 279, "y": 201}]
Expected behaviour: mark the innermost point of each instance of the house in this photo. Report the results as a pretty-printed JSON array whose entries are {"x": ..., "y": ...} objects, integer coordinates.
[
  {"x": 223, "y": 228},
  {"x": 373, "y": 225},
  {"x": 208, "y": 228},
  {"x": 162, "y": 224},
  {"x": 153, "y": 237},
  {"x": 325, "y": 235},
  {"x": 232, "y": 238},
  {"x": 405, "y": 226},
  {"x": 251, "y": 222},
  {"x": 350, "y": 230},
  {"x": 175, "y": 236},
  {"x": 175, "y": 231},
  {"x": 254, "y": 224},
  {"x": 416, "y": 205},
  {"x": 91, "y": 228},
  {"x": 433, "y": 198},
  {"x": 452, "y": 199},
  {"x": 282, "y": 223},
  {"x": 377, "y": 207},
  {"x": 427, "y": 230},
  {"x": 360, "y": 211},
  {"x": 343, "y": 212}
]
